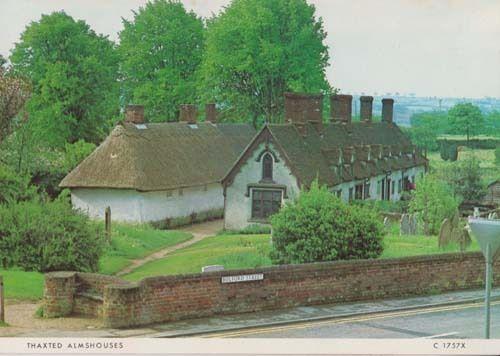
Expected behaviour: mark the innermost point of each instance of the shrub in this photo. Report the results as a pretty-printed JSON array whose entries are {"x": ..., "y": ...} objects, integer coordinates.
[
  {"x": 320, "y": 227},
  {"x": 14, "y": 187},
  {"x": 497, "y": 155},
  {"x": 433, "y": 200},
  {"x": 467, "y": 181},
  {"x": 50, "y": 236}
]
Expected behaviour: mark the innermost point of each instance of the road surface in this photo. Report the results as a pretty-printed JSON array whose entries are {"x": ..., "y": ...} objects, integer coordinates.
[{"x": 456, "y": 321}]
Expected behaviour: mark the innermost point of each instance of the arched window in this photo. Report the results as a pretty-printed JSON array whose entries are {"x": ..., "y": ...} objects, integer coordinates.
[{"x": 267, "y": 167}]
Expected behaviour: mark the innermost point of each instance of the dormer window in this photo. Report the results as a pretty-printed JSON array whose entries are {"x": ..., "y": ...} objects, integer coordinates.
[{"x": 267, "y": 167}]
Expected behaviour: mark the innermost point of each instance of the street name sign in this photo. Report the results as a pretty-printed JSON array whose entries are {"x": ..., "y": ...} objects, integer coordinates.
[{"x": 243, "y": 278}]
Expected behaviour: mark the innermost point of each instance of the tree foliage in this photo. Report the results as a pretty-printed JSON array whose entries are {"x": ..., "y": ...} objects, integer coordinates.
[
  {"x": 466, "y": 119},
  {"x": 14, "y": 91},
  {"x": 425, "y": 128},
  {"x": 74, "y": 76},
  {"x": 320, "y": 227},
  {"x": 433, "y": 200},
  {"x": 466, "y": 179},
  {"x": 161, "y": 50},
  {"x": 258, "y": 49}
]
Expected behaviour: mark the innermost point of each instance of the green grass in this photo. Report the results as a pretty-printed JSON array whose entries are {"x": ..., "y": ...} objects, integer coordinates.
[
  {"x": 464, "y": 137},
  {"x": 129, "y": 242},
  {"x": 22, "y": 285},
  {"x": 250, "y": 251},
  {"x": 231, "y": 251}
]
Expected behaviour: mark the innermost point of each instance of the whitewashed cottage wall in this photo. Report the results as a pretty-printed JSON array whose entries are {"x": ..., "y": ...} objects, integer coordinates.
[
  {"x": 129, "y": 205},
  {"x": 238, "y": 207}
]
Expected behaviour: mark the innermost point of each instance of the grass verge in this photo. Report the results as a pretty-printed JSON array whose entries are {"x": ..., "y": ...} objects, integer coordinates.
[
  {"x": 129, "y": 242},
  {"x": 22, "y": 285},
  {"x": 231, "y": 251}
]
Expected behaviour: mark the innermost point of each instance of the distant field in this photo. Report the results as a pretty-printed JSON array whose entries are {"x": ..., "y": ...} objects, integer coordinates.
[
  {"x": 464, "y": 137},
  {"x": 490, "y": 171}
]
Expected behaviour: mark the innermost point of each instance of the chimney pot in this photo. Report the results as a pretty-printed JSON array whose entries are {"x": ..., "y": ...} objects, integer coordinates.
[
  {"x": 341, "y": 108},
  {"x": 365, "y": 111},
  {"x": 387, "y": 110},
  {"x": 188, "y": 113},
  {"x": 303, "y": 108},
  {"x": 211, "y": 113},
  {"x": 134, "y": 114}
]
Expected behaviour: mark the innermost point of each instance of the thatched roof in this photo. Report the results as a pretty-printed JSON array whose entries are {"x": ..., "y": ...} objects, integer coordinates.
[
  {"x": 338, "y": 152},
  {"x": 161, "y": 156}
]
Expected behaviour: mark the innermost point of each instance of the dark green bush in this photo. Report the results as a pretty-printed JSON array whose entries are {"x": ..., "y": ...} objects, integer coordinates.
[
  {"x": 320, "y": 227},
  {"x": 497, "y": 155},
  {"x": 38, "y": 236}
]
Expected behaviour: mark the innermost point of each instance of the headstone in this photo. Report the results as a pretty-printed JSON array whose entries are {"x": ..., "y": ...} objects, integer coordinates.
[
  {"x": 404, "y": 224},
  {"x": 107, "y": 220},
  {"x": 387, "y": 222},
  {"x": 213, "y": 268},
  {"x": 445, "y": 233},
  {"x": 465, "y": 240},
  {"x": 455, "y": 220},
  {"x": 476, "y": 212},
  {"x": 2, "y": 306},
  {"x": 412, "y": 224},
  {"x": 492, "y": 216}
]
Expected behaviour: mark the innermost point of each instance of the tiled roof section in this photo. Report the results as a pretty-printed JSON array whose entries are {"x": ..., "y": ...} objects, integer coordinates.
[
  {"x": 162, "y": 156},
  {"x": 343, "y": 152}
]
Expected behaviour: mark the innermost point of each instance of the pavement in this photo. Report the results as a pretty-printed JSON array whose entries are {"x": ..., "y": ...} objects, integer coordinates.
[{"x": 323, "y": 320}]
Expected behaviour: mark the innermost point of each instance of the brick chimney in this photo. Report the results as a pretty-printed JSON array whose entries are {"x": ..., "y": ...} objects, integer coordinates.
[
  {"x": 365, "y": 111},
  {"x": 341, "y": 108},
  {"x": 304, "y": 108},
  {"x": 211, "y": 113},
  {"x": 188, "y": 113},
  {"x": 387, "y": 110},
  {"x": 134, "y": 114}
]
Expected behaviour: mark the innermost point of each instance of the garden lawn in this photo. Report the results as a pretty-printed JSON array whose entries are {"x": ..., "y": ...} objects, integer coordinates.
[
  {"x": 22, "y": 285},
  {"x": 250, "y": 251},
  {"x": 129, "y": 242},
  {"x": 231, "y": 251}
]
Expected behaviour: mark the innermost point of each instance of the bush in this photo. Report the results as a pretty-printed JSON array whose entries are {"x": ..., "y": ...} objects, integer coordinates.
[
  {"x": 467, "y": 181},
  {"x": 433, "y": 201},
  {"x": 14, "y": 187},
  {"x": 50, "y": 236},
  {"x": 320, "y": 227},
  {"x": 497, "y": 155}
]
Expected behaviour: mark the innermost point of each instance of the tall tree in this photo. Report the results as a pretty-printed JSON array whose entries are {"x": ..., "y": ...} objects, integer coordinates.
[
  {"x": 161, "y": 50},
  {"x": 466, "y": 119},
  {"x": 14, "y": 91},
  {"x": 74, "y": 76},
  {"x": 258, "y": 49}
]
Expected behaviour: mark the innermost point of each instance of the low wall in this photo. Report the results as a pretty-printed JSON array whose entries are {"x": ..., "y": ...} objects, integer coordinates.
[{"x": 168, "y": 298}]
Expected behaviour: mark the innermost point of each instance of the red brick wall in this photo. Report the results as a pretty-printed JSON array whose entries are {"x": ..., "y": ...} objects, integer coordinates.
[{"x": 162, "y": 299}]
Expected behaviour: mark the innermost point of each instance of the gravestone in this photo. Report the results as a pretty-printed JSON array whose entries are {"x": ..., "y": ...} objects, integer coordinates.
[
  {"x": 404, "y": 224},
  {"x": 387, "y": 223},
  {"x": 476, "y": 213},
  {"x": 413, "y": 224},
  {"x": 213, "y": 268},
  {"x": 408, "y": 224},
  {"x": 445, "y": 233},
  {"x": 465, "y": 239},
  {"x": 492, "y": 216}
]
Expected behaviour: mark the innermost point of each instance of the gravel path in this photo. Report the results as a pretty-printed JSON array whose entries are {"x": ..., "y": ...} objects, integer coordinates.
[
  {"x": 199, "y": 232},
  {"x": 21, "y": 319}
]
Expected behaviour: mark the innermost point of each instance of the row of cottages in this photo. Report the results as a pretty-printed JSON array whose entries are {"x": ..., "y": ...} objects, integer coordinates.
[
  {"x": 156, "y": 172},
  {"x": 355, "y": 160}
]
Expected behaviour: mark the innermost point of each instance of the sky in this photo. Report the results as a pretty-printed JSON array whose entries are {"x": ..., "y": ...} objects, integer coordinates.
[{"x": 444, "y": 48}]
